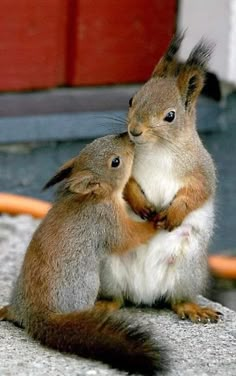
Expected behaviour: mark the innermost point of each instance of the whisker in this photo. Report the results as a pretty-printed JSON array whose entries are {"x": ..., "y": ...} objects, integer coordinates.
[
  {"x": 182, "y": 156},
  {"x": 116, "y": 119},
  {"x": 111, "y": 124},
  {"x": 116, "y": 123}
]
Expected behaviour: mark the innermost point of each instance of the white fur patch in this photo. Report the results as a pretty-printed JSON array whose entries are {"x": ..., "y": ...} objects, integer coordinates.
[
  {"x": 173, "y": 264},
  {"x": 159, "y": 187}
]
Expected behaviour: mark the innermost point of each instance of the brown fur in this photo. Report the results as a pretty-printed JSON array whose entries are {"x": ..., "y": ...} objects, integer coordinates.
[
  {"x": 56, "y": 292},
  {"x": 98, "y": 335},
  {"x": 197, "y": 314},
  {"x": 191, "y": 197},
  {"x": 136, "y": 199},
  {"x": 172, "y": 86},
  {"x": 133, "y": 234},
  {"x": 177, "y": 85}
]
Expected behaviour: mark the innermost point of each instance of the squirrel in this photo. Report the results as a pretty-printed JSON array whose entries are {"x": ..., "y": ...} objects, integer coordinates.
[
  {"x": 56, "y": 295},
  {"x": 173, "y": 176}
]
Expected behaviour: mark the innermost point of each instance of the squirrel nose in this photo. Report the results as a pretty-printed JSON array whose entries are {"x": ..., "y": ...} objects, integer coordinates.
[{"x": 135, "y": 133}]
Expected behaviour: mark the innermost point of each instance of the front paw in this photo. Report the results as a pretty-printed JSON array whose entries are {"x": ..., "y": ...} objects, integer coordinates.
[
  {"x": 145, "y": 210},
  {"x": 167, "y": 219},
  {"x": 148, "y": 212},
  {"x": 161, "y": 220}
]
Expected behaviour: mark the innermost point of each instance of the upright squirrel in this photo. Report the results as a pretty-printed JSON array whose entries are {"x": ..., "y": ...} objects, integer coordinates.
[
  {"x": 55, "y": 298},
  {"x": 172, "y": 175}
]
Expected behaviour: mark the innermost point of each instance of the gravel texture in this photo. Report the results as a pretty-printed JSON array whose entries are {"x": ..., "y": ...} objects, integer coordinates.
[{"x": 193, "y": 350}]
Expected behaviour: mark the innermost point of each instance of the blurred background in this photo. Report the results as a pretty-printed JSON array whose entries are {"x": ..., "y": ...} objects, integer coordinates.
[{"x": 69, "y": 67}]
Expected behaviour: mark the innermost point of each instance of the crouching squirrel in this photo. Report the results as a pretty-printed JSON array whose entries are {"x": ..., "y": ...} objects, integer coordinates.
[
  {"x": 55, "y": 297},
  {"x": 174, "y": 176}
]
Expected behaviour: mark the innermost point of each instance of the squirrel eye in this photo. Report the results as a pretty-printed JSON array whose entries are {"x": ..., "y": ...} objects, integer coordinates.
[
  {"x": 170, "y": 116},
  {"x": 115, "y": 162},
  {"x": 131, "y": 101}
]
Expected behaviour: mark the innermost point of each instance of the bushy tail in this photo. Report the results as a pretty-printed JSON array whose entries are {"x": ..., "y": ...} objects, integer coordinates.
[{"x": 99, "y": 336}]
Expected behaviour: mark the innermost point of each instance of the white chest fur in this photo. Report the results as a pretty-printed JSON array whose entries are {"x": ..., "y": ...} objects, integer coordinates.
[
  {"x": 156, "y": 176},
  {"x": 174, "y": 264}
]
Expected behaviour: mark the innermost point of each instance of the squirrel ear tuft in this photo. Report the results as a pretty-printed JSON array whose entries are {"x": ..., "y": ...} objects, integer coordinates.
[
  {"x": 190, "y": 79},
  {"x": 167, "y": 64},
  {"x": 83, "y": 183},
  {"x": 190, "y": 83},
  {"x": 63, "y": 173},
  {"x": 201, "y": 54}
]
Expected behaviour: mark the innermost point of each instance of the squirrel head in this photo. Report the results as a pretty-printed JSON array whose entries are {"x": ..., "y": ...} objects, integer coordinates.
[
  {"x": 102, "y": 166},
  {"x": 165, "y": 105}
]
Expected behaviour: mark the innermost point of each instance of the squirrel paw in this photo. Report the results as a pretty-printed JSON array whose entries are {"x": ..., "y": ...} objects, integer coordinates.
[
  {"x": 195, "y": 313},
  {"x": 167, "y": 219},
  {"x": 137, "y": 200},
  {"x": 108, "y": 305},
  {"x": 144, "y": 210},
  {"x": 160, "y": 220},
  {"x": 147, "y": 213},
  {"x": 4, "y": 313}
]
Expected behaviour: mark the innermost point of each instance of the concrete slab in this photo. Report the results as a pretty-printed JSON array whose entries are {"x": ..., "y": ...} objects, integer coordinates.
[
  {"x": 194, "y": 350},
  {"x": 60, "y": 127},
  {"x": 83, "y": 124}
]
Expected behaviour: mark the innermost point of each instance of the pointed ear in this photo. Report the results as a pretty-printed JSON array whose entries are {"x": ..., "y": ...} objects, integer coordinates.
[
  {"x": 190, "y": 80},
  {"x": 190, "y": 83},
  {"x": 83, "y": 183},
  {"x": 63, "y": 173},
  {"x": 167, "y": 64}
]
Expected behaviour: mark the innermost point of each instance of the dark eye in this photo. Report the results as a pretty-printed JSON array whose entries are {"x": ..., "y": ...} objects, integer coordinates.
[
  {"x": 130, "y": 102},
  {"x": 170, "y": 116},
  {"x": 115, "y": 162}
]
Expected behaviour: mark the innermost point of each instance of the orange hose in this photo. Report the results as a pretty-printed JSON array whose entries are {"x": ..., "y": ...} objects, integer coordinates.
[
  {"x": 223, "y": 266},
  {"x": 220, "y": 265},
  {"x": 16, "y": 204}
]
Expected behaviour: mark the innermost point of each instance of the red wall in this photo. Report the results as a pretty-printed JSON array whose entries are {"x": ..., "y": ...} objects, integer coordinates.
[
  {"x": 119, "y": 41},
  {"x": 48, "y": 43},
  {"x": 32, "y": 43}
]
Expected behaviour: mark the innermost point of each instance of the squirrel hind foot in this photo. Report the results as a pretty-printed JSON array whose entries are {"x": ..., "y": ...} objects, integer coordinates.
[
  {"x": 4, "y": 313},
  {"x": 108, "y": 306},
  {"x": 196, "y": 313}
]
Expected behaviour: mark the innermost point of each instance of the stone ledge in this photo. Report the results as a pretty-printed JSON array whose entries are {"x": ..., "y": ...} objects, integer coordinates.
[
  {"x": 78, "y": 114},
  {"x": 194, "y": 350}
]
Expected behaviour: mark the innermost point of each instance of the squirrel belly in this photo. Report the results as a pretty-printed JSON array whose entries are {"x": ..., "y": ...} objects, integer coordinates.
[
  {"x": 173, "y": 184},
  {"x": 154, "y": 171},
  {"x": 172, "y": 265}
]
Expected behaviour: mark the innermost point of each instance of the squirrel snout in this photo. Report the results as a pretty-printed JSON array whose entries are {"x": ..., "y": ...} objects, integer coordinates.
[{"x": 135, "y": 133}]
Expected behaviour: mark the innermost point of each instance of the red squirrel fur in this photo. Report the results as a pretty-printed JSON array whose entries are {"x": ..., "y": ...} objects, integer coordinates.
[
  {"x": 173, "y": 175},
  {"x": 55, "y": 297}
]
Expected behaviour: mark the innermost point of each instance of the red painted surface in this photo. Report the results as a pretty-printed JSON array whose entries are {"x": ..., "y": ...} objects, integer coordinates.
[
  {"x": 32, "y": 43},
  {"x": 118, "y": 41},
  {"x": 48, "y": 43}
]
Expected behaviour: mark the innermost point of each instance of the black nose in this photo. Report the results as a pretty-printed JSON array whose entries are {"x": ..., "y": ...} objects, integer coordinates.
[{"x": 135, "y": 133}]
